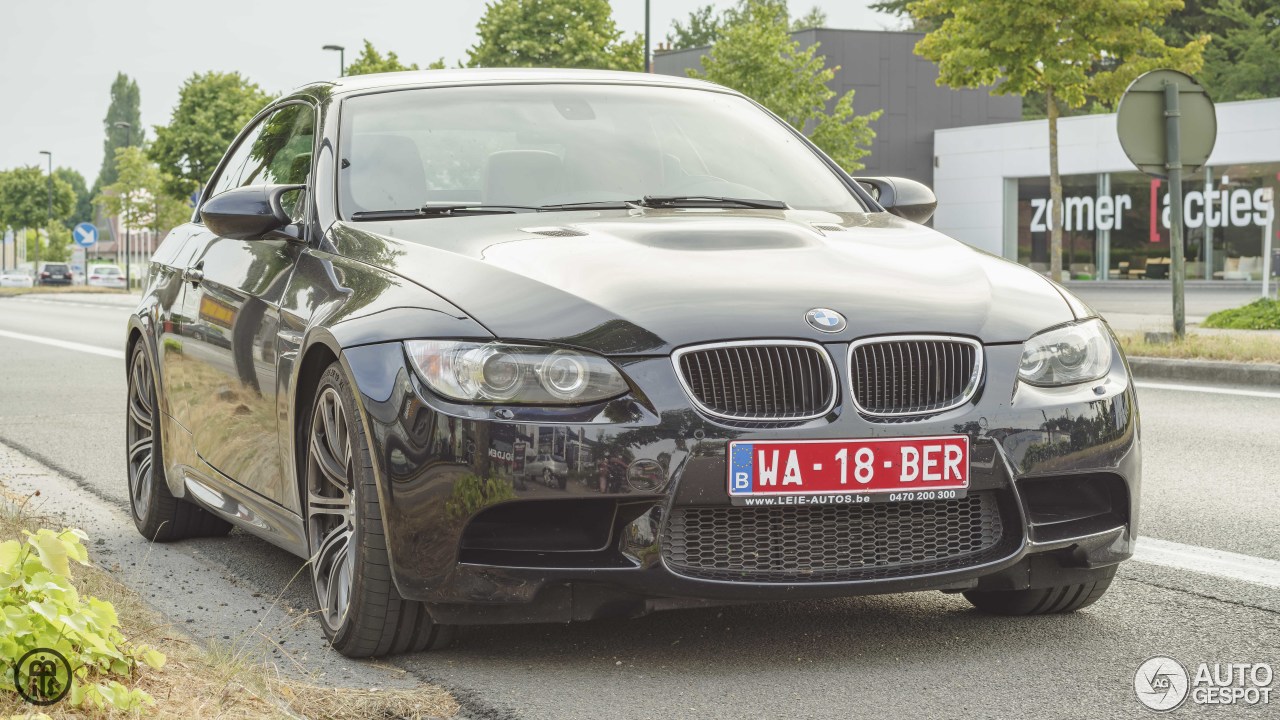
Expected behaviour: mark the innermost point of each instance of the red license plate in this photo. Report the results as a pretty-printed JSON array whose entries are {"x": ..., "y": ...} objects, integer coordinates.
[{"x": 848, "y": 471}]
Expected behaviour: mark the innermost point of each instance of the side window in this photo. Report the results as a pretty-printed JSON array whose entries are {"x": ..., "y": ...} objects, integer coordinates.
[
  {"x": 281, "y": 153},
  {"x": 275, "y": 152},
  {"x": 234, "y": 169}
]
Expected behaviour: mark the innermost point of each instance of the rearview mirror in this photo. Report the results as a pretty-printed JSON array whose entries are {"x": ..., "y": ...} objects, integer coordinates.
[
  {"x": 905, "y": 198},
  {"x": 249, "y": 213}
]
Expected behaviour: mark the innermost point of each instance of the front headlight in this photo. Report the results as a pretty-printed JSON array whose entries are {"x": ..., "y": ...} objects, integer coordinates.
[
  {"x": 1067, "y": 355},
  {"x": 514, "y": 374}
]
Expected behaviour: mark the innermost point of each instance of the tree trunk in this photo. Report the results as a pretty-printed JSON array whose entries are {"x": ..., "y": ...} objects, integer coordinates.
[{"x": 1055, "y": 190}]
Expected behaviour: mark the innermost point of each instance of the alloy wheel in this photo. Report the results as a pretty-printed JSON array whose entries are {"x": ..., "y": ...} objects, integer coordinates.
[
  {"x": 140, "y": 434},
  {"x": 331, "y": 507}
]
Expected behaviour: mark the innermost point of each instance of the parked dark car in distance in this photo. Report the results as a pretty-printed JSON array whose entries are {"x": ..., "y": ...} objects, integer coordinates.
[
  {"x": 761, "y": 378},
  {"x": 55, "y": 274}
]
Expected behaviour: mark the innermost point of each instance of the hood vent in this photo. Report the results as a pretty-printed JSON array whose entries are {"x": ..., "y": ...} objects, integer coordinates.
[
  {"x": 827, "y": 227},
  {"x": 554, "y": 231}
]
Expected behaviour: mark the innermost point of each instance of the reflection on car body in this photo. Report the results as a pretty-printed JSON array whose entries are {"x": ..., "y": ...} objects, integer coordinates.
[{"x": 517, "y": 346}]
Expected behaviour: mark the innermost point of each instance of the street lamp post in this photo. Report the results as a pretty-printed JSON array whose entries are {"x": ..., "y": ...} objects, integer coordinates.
[
  {"x": 128, "y": 268},
  {"x": 49, "y": 220},
  {"x": 342, "y": 58},
  {"x": 646, "y": 36}
]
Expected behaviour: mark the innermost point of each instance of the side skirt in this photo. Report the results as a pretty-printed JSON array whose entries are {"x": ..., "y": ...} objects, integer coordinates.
[{"x": 245, "y": 509}]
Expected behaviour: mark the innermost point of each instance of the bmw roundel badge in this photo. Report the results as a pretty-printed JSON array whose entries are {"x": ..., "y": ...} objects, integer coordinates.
[{"x": 825, "y": 320}]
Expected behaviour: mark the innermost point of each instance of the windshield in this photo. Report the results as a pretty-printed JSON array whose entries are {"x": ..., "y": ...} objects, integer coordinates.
[
  {"x": 107, "y": 270},
  {"x": 539, "y": 145}
]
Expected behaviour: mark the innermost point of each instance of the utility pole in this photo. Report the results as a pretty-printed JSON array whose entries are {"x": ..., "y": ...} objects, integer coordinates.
[
  {"x": 128, "y": 266},
  {"x": 49, "y": 220}
]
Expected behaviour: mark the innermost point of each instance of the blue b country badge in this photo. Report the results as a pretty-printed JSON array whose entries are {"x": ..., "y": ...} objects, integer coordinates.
[{"x": 740, "y": 468}]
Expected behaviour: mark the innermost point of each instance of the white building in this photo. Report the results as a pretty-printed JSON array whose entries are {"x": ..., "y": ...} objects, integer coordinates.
[{"x": 993, "y": 188}]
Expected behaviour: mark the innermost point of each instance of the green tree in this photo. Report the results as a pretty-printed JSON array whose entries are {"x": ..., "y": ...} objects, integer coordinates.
[
  {"x": 138, "y": 195},
  {"x": 756, "y": 56},
  {"x": 83, "y": 209},
  {"x": 553, "y": 33},
  {"x": 899, "y": 9},
  {"x": 1242, "y": 61},
  {"x": 24, "y": 198},
  {"x": 212, "y": 109},
  {"x": 815, "y": 18},
  {"x": 125, "y": 101},
  {"x": 55, "y": 243},
  {"x": 24, "y": 203},
  {"x": 372, "y": 61},
  {"x": 701, "y": 29},
  {"x": 1067, "y": 49}
]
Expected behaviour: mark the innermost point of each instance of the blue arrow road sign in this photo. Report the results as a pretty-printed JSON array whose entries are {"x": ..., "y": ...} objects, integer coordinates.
[{"x": 85, "y": 235}]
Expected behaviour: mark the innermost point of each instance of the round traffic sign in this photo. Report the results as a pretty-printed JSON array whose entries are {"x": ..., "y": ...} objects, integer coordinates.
[
  {"x": 85, "y": 234},
  {"x": 1140, "y": 122}
]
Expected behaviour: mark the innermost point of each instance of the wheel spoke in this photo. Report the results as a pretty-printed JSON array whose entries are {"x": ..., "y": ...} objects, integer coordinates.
[
  {"x": 140, "y": 415},
  {"x": 142, "y": 385},
  {"x": 333, "y": 543},
  {"x": 329, "y": 468},
  {"x": 337, "y": 571},
  {"x": 140, "y": 448},
  {"x": 326, "y": 417},
  {"x": 142, "y": 483},
  {"x": 344, "y": 438},
  {"x": 318, "y": 505}
]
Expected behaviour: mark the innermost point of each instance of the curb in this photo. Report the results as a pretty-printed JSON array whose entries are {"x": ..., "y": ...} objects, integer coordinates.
[{"x": 1206, "y": 371}]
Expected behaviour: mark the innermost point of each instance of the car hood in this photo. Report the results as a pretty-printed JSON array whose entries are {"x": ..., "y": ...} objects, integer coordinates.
[{"x": 648, "y": 281}]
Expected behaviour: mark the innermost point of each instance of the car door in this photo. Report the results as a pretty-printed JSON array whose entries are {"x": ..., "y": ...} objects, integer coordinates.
[{"x": 232, "y": 304}]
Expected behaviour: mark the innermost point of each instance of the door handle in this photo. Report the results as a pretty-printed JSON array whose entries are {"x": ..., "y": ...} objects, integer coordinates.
[{"x": 193, "y": 275}]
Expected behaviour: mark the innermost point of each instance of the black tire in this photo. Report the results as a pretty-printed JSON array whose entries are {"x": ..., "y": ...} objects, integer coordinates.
[
  {"x": 372, "y": 619},
  {"x": 158, "y": 515},
  {"x": 1044, "y": 601}
]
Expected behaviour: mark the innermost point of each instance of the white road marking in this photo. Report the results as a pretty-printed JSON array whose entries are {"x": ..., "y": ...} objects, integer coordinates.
[
  {"x": 72, "y": 303},
  {"x": 1220, "y": 563},
  {"x": 65, "y": 344},
  {"x": 1205, "y": 389}
]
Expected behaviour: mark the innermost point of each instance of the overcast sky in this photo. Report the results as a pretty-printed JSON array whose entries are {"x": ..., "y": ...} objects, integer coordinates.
[{"x": 59, "y": 57}]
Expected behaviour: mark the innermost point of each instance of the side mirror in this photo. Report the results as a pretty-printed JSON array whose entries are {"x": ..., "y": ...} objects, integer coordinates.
[
  {"x": 905, "y": 198},
  {"x": 250, "y": 212}
]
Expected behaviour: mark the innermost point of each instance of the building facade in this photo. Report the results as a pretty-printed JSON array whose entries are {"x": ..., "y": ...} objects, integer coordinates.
[
  {"x": 993, "y": 189},
  {"x": 885, "y": 72}
]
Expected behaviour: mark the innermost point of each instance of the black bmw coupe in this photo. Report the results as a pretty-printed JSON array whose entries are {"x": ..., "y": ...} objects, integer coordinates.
[{"x": 539, "y": 346}]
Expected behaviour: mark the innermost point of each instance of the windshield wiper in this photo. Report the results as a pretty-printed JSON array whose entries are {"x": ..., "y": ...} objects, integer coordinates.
[
  {"x": 442, "y": 211},
  {"x": 594, "y": 205},
  {"x": 695, "y": 201}
]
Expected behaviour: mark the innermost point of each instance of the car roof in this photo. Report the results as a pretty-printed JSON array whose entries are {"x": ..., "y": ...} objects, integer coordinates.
[{"x": 504, "y": 76}]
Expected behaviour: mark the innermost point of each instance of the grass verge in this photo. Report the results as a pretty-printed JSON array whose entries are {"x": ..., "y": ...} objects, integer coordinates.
[
  {"x": 1234, "y": 347},
  {"x": 60, "y": 290},
  {"x": 1261, "y": 314},
  {"x": 225, "y": 680}
]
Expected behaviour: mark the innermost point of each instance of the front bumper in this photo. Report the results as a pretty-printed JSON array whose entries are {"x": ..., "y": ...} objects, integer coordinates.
[{"x": 472, "y": 534}]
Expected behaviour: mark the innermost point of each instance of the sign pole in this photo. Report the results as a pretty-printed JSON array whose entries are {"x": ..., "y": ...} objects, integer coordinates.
[{"x": 1173, "y": 164}]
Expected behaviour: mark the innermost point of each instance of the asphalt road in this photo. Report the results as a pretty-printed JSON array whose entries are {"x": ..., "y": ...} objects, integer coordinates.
[{"x": 1209, "y": 483}]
